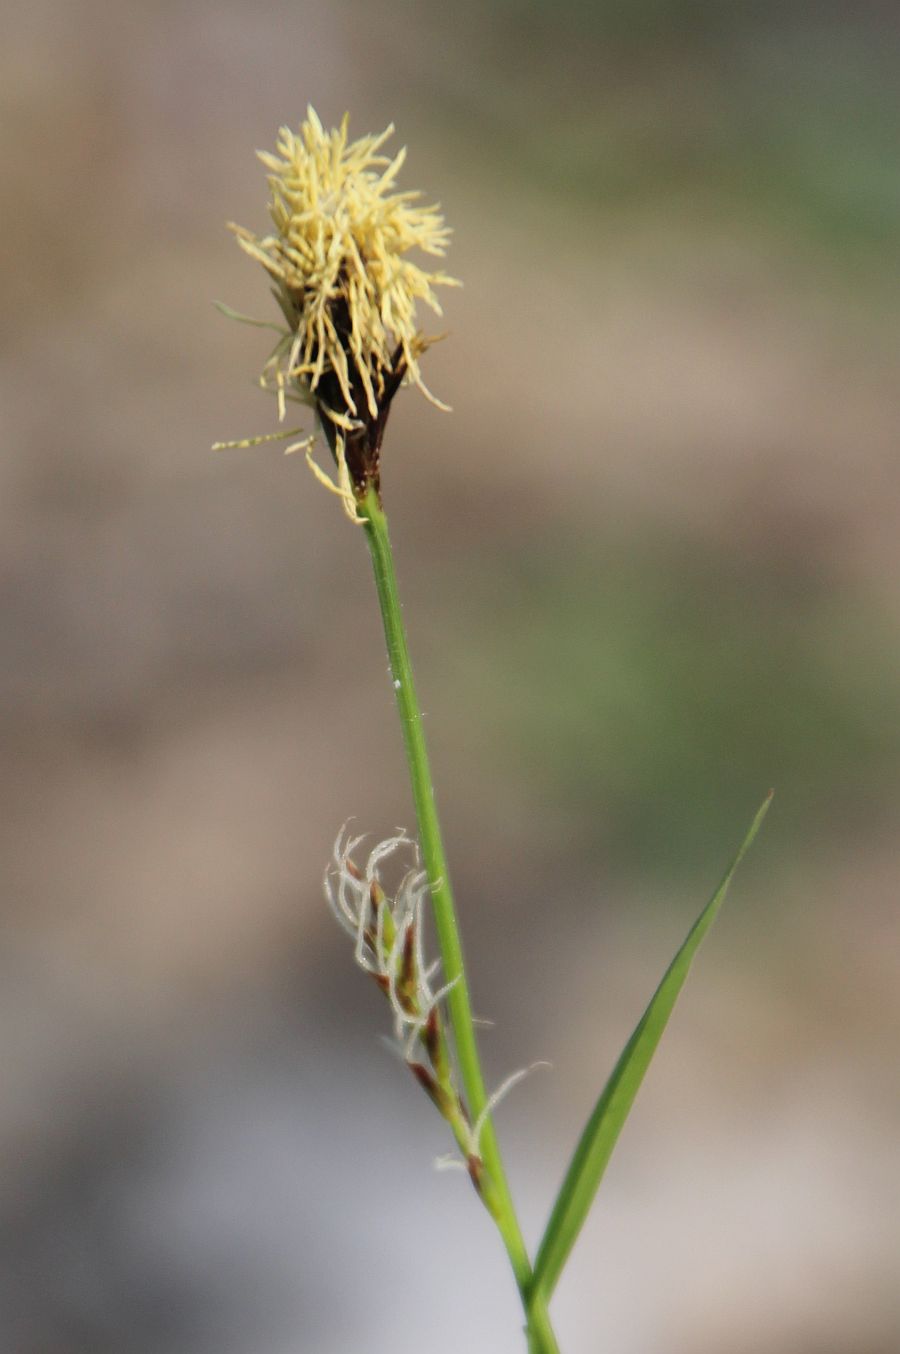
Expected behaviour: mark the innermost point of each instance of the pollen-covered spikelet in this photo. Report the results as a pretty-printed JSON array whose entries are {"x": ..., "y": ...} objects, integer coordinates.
[{"x": 346, "y": 288}]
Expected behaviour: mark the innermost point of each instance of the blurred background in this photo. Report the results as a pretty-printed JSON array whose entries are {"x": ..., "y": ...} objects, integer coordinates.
[{"x": 651, "y": 569}]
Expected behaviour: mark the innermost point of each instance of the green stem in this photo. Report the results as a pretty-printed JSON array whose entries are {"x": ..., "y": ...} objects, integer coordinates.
[{"x": 540, "y": 1332}]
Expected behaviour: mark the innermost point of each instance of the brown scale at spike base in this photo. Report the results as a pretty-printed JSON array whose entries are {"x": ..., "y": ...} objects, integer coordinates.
[{"x": 362, "y": 444}]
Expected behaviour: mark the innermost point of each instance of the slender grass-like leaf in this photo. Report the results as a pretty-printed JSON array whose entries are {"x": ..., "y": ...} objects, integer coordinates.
[
  {"x": 231, "y": 314},
  {"x": 585, "y": 1172}
]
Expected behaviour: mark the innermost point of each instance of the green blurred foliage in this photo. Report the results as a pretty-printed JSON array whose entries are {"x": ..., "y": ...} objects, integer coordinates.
[
  {"x": 651, "y": 697},
  {"x": 652, "y": 694},
  {"x": 786, "y": 117}
]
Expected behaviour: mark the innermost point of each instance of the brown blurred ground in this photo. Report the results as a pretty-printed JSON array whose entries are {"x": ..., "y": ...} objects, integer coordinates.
[{"x": 651, "y": 563}]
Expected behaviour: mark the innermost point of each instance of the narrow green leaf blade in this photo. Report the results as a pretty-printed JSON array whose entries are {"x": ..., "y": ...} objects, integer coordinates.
[
  {"x": 231, "y": 314},
  {"x": 576, "y": 1194}
]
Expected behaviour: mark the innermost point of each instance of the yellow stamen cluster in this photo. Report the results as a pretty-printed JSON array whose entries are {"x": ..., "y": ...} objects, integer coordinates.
[{"x": 342, "y": 278}]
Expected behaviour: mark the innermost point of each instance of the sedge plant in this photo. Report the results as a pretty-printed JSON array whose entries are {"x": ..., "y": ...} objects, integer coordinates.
[{"x": 341, "y": 260}]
